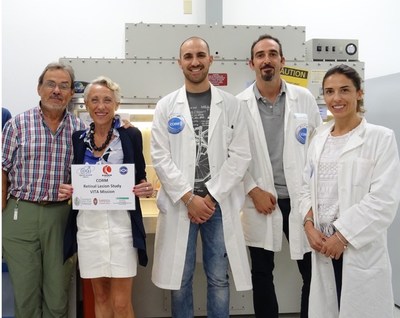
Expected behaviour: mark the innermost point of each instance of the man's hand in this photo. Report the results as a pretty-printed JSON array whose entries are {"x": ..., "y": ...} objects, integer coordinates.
[
  {"x": 264, "y": 202},
  {"x": 65, "y": 192},
  {"x": 200, "y": 209}
]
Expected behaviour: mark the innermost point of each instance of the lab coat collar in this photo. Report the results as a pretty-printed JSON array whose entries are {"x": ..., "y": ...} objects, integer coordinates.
[{"x": 215, "y": 107}]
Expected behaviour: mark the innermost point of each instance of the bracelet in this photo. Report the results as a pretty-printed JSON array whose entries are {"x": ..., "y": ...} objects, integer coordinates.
[
  {"x": 341, "y": 241},
  {"x": 190, "y": 200},
  {"x": 308, "y": 219}
]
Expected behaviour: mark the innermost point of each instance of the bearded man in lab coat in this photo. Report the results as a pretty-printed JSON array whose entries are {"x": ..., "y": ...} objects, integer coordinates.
[
  {"x": 282, "y": 118},
  {"x": 200, "y": 152}
]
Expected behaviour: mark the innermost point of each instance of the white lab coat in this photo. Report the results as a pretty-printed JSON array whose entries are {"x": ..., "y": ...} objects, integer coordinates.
[
  {"x": 265, "y": 231},
  {"x": 173, "y": 157},
  {"x": 369, "y": 192}
]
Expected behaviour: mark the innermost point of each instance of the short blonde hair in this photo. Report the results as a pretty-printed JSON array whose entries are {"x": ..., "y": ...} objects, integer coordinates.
[{"x": 107, "y": 82}]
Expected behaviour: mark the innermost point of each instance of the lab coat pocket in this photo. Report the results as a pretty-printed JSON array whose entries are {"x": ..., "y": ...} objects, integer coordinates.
[
  {"x": 162, "y": 201},
  {"x": 362, "y": 172}
]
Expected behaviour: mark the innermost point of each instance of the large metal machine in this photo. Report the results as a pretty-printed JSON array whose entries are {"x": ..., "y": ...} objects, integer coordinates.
[{"x": 150, "y": 70}]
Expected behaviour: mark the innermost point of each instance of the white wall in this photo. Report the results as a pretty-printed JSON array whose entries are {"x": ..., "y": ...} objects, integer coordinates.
[{"x": 35, "y": 33}]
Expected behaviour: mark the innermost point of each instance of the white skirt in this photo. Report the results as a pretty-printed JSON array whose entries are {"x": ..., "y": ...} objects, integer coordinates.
[{"x": 105, "y": 244}]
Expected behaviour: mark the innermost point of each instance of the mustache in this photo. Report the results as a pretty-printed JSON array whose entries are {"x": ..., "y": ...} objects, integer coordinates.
[
  {"x": 267, "y": 67},
  {"x": 55, "y": 96}
]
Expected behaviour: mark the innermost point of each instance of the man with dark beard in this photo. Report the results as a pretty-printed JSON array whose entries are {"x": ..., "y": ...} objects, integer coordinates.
[{"x": 282, "y": 119}]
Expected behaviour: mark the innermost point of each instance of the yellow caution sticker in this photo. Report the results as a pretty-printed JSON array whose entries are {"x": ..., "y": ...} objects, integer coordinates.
[{"x": 296, "y": 76}]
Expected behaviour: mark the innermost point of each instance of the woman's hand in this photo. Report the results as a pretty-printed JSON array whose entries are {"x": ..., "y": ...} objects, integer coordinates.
[
  {"x": 65, "y": 192},
  {"x": 333, "y": 247},
  {"x": 143, "y": 190},
  {"x": 315, "y": 238}
]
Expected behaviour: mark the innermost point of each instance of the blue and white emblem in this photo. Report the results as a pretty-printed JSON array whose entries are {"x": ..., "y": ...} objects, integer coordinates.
[
  {"x": 301, "y": 133},
  {"x": 175, "y": 125}
]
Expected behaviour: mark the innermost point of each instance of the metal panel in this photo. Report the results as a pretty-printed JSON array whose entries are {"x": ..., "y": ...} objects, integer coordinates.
[
  {"x": 228, "y": 42},
  {"x": 153, "y": 79},
  {"x": 331, "y": 50}
]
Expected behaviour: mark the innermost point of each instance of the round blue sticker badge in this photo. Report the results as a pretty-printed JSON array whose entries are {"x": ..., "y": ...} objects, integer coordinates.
[
  {"x": 301, "y": 134},
  {"x": 175, "y": 125}
]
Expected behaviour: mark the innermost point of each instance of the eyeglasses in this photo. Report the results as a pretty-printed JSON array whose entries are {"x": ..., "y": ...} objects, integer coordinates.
[{"x": 52, "y": 85}]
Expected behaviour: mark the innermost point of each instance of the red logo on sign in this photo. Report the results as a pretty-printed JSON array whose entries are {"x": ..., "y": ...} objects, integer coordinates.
[
  {"x": 218, "y": 79},
  {"x": 106, "y": 169}
]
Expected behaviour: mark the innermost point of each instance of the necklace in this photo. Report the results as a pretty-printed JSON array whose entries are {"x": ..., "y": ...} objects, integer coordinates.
[{"x": 104, "y": 145}]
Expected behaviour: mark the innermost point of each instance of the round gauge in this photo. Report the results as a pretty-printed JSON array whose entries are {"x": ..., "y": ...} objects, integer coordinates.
[{"x": 351, "y": 49}]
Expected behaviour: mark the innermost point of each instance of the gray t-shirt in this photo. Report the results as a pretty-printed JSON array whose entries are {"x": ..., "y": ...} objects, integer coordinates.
[
  {"x": 199, "y": 104},
  {"x": 273, "y": 120}
]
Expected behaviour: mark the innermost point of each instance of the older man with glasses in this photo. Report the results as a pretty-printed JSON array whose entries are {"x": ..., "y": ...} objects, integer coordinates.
[{"x": 37, "y": 155}]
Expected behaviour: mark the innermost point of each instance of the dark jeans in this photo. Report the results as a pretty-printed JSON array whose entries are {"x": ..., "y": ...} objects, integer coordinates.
[
  {"x": 262, "y": 266},
  {"x": 338, "y": 269}
]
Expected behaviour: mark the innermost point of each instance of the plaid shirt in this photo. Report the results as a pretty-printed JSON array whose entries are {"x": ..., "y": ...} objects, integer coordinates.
[{"x": 36, "y": 160}]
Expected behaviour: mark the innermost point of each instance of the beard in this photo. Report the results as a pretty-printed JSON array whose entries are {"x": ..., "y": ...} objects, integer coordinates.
[
  {"x": 196, "y": 79},
  {"x": 267, "y": 77}
]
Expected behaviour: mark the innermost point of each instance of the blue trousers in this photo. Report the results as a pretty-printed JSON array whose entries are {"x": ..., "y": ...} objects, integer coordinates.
[{"x": 216, "y": 264}]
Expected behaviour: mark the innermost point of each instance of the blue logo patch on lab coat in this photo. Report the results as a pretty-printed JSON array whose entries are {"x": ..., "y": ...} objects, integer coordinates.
[
  {"x": 301, "y": 134},
  {"x": 175, "y": 125}
]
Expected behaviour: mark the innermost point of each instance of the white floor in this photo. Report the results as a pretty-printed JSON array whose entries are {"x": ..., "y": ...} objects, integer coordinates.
[{"x": 396, "y": 315}]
